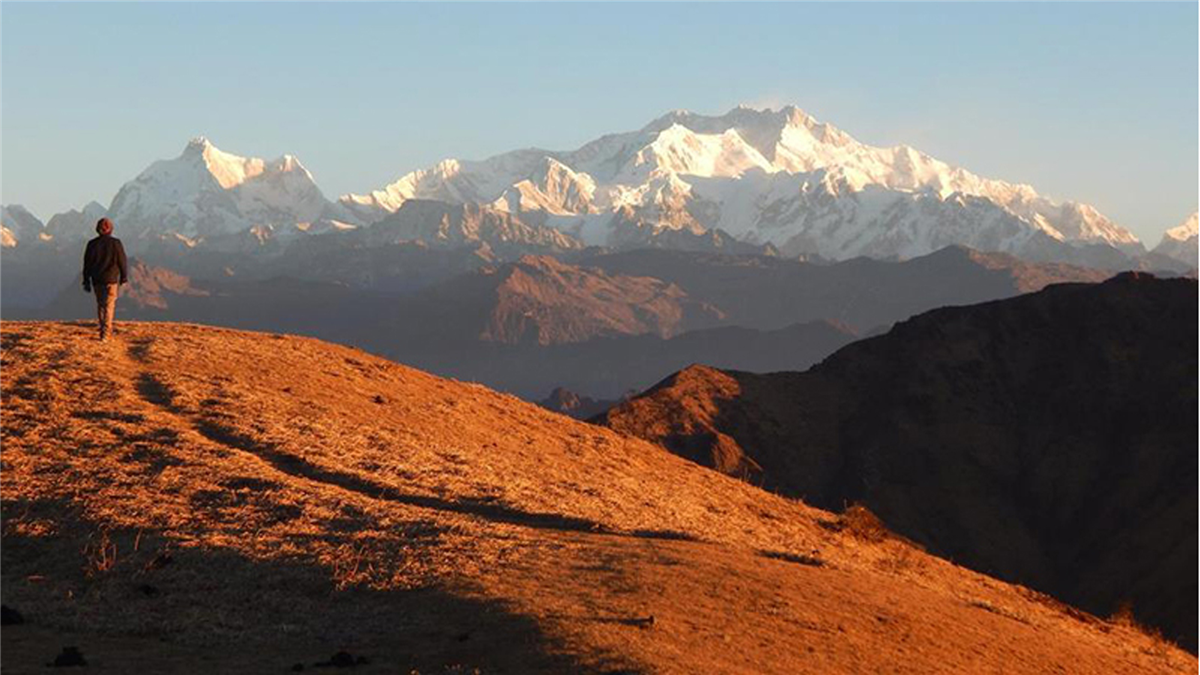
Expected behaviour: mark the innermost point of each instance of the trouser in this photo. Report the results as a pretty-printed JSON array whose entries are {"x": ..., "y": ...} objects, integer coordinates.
[{"x": 106, "y": 307}]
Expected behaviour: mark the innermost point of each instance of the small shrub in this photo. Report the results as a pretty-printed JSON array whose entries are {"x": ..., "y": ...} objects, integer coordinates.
[
  {"x": 99, "y": 553},
  {"x": 903, "y": 557},
  {"x": 1123, "y": 616},
  {"x": 858, "y": 521}
]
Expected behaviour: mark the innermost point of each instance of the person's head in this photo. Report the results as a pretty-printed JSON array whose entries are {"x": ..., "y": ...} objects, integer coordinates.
[{"x": 104, "y": 226}]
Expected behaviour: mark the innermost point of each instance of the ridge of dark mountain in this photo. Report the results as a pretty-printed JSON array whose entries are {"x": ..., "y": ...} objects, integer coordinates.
[
  {"x": 611, "y": 367},
  {"x": 401, "y": 267},
  {"x": 424, "y": 243},
  {"x": 329, "y": 311},
  {"x": 754, "y": 291},
  {"x": 535, "y": 300},
  {"x": 1048, "y": 439},
  {"x": 524, "y": 327},
  {"x": 863, "y": 293},
  {"x": 503, "y": 324}
]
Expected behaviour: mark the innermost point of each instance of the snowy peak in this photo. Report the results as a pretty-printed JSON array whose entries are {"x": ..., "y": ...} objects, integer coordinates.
[
  {"x": 450, "y": 180},
  {"x": 553, "y": 188},
  {"x": 761, "y": 129},
  {"x": 679, "y": 150},
  {"x": 1182, "y": 242},
  {"x": 206, "y": 191},
  {"x": 231, "y": 170},
  {"x": 1188, "y": 229}
]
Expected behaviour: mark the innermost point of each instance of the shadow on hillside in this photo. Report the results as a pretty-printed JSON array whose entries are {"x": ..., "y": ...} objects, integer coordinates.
[
  {"x": 139, "y": 349},
  {"x": 159, "y": 394},
  {"x": 136, "y": 600},
  {"x": 153, "y": 391},
  {"x": 13, "y": 340},
  {"x": 494, "y": 511}
]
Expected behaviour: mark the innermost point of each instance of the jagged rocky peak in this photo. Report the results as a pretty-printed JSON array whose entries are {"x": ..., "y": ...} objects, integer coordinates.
[{"x": 232, "y": 170}]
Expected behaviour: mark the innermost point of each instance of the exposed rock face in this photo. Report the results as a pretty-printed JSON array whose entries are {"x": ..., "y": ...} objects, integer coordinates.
[
  {"x": 1048, "y": 439},
  {"x": 539, "y": 300},
  {"x": 152, "y": 286},
  {"x": 544, "y": 300}
]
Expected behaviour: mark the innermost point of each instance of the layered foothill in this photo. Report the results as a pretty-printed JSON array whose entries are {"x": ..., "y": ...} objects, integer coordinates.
[{"x": 601, "y": 326}]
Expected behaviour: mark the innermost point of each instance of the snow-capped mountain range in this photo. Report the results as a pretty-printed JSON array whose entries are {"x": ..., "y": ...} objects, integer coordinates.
[
  {"x": 764, "y": 176},
  {"x": 754, "y": 177}
]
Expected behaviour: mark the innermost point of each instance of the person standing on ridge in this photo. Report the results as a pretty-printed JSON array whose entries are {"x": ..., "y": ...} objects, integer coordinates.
[{"x": 104, "y": 269}]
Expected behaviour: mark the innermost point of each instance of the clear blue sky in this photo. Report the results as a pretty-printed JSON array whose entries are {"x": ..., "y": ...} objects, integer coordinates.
[{"x": 1092, "y": 102}]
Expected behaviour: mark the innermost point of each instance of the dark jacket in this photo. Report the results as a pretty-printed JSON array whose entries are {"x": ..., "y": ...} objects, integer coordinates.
[{"x": 104, "y": 261}]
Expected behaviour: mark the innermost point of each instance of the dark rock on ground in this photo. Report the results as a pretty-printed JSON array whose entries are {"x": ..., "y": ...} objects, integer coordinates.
[
  {"x": 342, "y": 660},
  {"x": 70, "y": 656}
]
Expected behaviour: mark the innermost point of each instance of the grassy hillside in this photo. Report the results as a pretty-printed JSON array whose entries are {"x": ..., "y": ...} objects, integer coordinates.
[{"x": 187, "y": 498}]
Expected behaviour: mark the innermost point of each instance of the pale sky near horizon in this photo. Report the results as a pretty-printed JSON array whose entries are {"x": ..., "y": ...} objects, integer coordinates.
[{"x": 1090, "y": 102}]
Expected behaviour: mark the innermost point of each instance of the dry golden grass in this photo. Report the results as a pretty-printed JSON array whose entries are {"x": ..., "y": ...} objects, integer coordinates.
[{"x": 186, "y": 496}]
